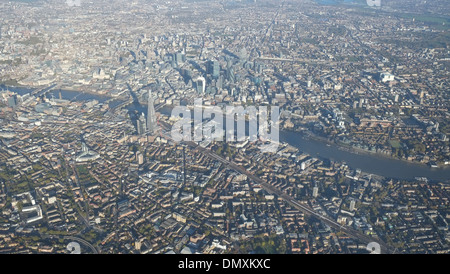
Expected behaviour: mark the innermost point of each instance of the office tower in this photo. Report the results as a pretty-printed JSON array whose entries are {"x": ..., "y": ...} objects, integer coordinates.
[
  {"x": 352, "y": 205},
  {"x": 139, "y": 158},
  {"x": 303, "y": 165},
  {"x": 230, "y": 72},
  {"x": 219, "y": 83},
  {"x": 12, "y": 101},
  {"x": 141, "y": 125},
  {"x": 214, "y": 69},
  {"x": 179, "y": 58},
  {"x": 315, "y": 191},
  {"x": 151, "y": 115},
  {"x": 184, "y": 166}
]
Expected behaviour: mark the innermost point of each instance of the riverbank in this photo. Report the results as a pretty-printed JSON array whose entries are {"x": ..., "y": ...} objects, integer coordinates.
[
  {"x": 62, "y": 89},
  {"x": 356, "y": 150},
  {"x": 369, "y": 162},
  {"x": 104, "y": 95}
]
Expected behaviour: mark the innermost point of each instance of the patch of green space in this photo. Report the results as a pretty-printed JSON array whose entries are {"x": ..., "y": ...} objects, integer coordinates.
[
  {"x": 395, "y": 143},
  {"x": 261, "y": 244},
  {"x": 433, "y": 19}
]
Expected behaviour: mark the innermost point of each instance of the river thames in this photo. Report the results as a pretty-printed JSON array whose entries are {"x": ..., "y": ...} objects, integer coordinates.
[{"x": 366, "y": 162}]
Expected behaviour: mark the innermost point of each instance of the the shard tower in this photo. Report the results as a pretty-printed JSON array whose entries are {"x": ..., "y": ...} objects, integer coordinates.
[{"x": 151, "y": 115}]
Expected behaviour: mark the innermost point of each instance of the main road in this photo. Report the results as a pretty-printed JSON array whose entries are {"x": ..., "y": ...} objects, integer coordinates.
[{"x": 290, "y": 200}]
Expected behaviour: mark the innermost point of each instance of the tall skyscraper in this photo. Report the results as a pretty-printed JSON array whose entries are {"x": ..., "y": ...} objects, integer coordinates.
[
  {"x": 139, "y": 158},
  {"x": 12, "y": 101},
  {"x": 179, "y": 58},
  {"x": 315, "y": 191},
  {"x": 230, "y": 72},
  {"x": 214, "y": 69},
  {"x": 184, "y": 166},
  {"x": 352, "y": 205},
  {"x": 219, "y": 82},
  {"x": 151, "y": 115},
  {"x": 309, "y": 82},
  {"x": 141, "y": 125}
]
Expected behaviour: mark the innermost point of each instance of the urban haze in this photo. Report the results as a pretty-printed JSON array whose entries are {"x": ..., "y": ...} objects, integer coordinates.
[{"x": 357, "y": 94}]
